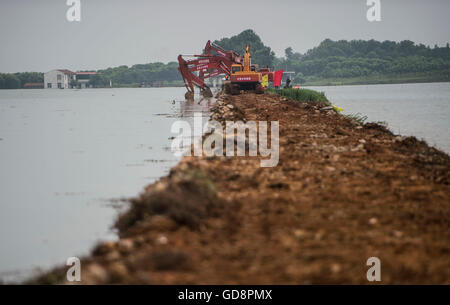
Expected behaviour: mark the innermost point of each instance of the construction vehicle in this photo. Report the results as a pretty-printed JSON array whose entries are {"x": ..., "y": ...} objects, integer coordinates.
[
  {"x": 244, "y": 77},
  {"x": 215, "y": 60}
]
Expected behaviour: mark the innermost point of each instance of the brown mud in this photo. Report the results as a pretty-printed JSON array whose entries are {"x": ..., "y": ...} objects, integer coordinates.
[{"x": 342, "y": 192}]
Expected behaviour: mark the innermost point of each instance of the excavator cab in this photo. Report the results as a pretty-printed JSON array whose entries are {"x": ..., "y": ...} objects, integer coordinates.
[{"x": 236, "y": 68}]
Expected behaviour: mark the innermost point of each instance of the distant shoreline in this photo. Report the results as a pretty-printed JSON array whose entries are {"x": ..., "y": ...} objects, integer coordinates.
[
  {"x": 380, "y": 80},
  {"x": 314, "y": 83}
]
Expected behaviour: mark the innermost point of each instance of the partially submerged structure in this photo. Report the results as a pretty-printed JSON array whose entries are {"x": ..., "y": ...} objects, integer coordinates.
[{"x": 66, "y": 79}]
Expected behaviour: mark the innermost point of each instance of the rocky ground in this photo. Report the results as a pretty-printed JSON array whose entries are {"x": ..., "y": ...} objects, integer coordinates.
[{"x": 342, "y": 192}]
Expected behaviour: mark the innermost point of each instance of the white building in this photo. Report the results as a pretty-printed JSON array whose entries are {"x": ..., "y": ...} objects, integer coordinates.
[{"x": 58, "y": 79}]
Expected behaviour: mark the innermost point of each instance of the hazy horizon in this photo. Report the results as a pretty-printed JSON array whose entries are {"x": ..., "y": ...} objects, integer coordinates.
[{"x": 36, "y": 35}]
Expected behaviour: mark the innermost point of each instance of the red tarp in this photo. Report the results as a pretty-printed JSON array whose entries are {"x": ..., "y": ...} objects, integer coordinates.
[{"x": 277, "y": 76}]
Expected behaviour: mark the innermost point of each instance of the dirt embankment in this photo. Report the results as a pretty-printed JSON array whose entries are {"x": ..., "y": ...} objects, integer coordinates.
[{"x": 341, "y": 193}]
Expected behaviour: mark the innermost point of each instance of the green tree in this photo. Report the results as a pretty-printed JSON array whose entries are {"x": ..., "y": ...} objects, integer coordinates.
[
  {"x": 261, "y": 54},
  {"x": 96, "y": 81},
  {"x": 151, "y": 73},
  {"x": 11, "y": 81},
  {"x": 359, "y": 58},
  {"x": 289, "y": 53},
  {"x": 299, "y": 78},
  {"x": 30, "y": 77}
]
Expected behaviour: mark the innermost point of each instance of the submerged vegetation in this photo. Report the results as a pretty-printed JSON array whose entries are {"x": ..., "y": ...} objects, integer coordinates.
[{"x": 358, "y": 117}]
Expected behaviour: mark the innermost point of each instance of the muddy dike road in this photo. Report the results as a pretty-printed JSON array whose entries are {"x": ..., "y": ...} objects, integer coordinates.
[{"x": 341, "y": 193}]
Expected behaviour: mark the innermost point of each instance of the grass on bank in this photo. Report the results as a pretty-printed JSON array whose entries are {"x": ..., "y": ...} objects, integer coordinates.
[{"x": 302, "y": 95}]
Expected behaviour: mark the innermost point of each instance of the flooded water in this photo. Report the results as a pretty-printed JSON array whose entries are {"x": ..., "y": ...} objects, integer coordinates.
[
  {"x": 421, "y": 110},
  {"x": 64, "y": 154}
]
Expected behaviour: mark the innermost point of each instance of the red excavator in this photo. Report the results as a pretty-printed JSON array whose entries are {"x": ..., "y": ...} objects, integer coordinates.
[{"x": 214, "y": 61}]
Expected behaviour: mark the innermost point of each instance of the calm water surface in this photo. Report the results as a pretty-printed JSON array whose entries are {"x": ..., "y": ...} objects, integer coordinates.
[{"x": 64, "y": 154}]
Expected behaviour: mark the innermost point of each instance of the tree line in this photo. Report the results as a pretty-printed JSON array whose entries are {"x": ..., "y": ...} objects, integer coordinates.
[
  {"x": 361, "y": 58},
  {"x": 331, "y": 59},
  {"x": 17, "y": 80},
  {"x": 155, "y": 74},
  {"x": 152, "y": 74}
]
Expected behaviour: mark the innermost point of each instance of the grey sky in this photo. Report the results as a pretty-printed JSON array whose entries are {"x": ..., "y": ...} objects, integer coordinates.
[{"x": 35, "y": 35}]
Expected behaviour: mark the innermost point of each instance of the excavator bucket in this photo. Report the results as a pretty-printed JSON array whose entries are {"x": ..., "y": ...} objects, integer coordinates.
[
  {"x": 206, "y": 92},
  {"x": 189, "y": 96},
  {"x": 214, "y": 61}
]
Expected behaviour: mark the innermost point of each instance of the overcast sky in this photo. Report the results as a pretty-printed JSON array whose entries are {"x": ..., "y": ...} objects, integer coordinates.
[{"x": 36, "y": 36}]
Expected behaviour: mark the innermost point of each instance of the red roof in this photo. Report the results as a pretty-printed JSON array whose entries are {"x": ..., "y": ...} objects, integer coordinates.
[
  {"x": 85, "y": 73},
  {"x": 33, "y": 85},
  {"x": 65, "y": 71}
]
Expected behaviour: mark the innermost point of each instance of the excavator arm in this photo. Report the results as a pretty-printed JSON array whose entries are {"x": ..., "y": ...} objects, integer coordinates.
[
  {"x": 214, "y": 61},
  {"x": 231, "y": 55},
  {"x": 194, "y": 72}
]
